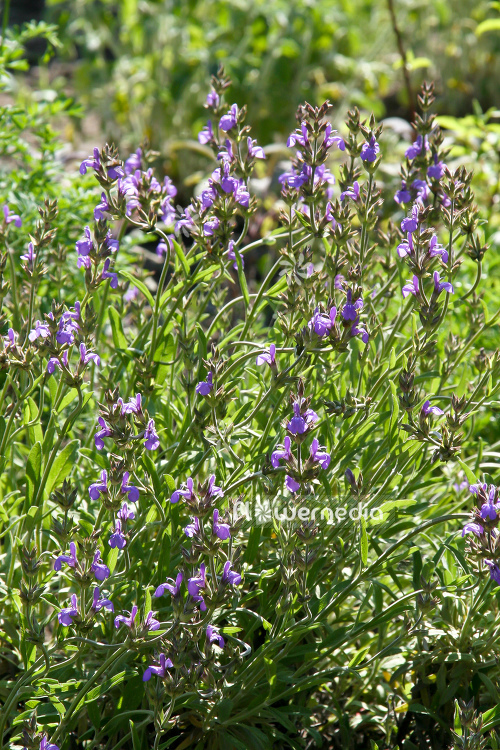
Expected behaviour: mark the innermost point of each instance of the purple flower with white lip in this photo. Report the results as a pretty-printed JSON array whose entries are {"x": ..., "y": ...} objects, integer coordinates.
[
  {"x": 489, "y": 508},
  {"x": 117, "y": 539},
  {"x": 267, "y": 357},
  {"x": 98, "y": 568},
  {"x": 111, "y": 243},
  {"x": 428, "y": 409},
  {"x": 494, "y": 571},
  {"x": 229, "y": 576},
  {"x": 160, "y": 671},
  {"x": 99, "y": 488},
  {"x": 350, "y": 309},
  {"x": 10, "y": 217},
  {"x": 46, "y": 745},
  {"x": 207, "y": 134},
  {"x": 98, "y": 603},
  {"x": 213, "y": 490},
  {"x": 86, "y": 356},
  {"x": 101, "y": 208},
  {"x": 221, "y": 530},
  {"x": 214, "y": 637},
  {"x": 91, "y": 162},
  {"x": 370, "y": 150},
  {"x": 410, "y": 223},
  {"x": 129, "y": 489},
  {"x": 229, "y": 121},
  {"x": 84, "y": 247},
  {"x": 40, "y": 330},
  {"x": 321, "y": 323},
  {"x": 242, "y": 196},
  {"x": 151, "y": 439},
  {"x": 132, "y": 406},
  {"x": 150, "y": 623},
  {"x": 193, "y": 529},
  {"x": 319, "y": 454},
  {"x": 435, "y": 249},
  {"x": 133, "y": 162},
  {"x": 351, "y": 192},
  {"x": 128, "y": 621},
  {"x": 299, "y": 423},
  {"x": 186, "y": 491},
  {"x": 440, "y": 286},
  {"x": 422, "y": 190},
  {"x": 406, "y": 247},
  {"x": 67, "y": 613},
  {"x": 67, "y": 559},
  {"x": 332, "y": 138},
  {"x": 124, "y": 514},
  {"x": 211, "y": 226},
  {"x": 102, "y": 433},
  {"x": 291, "y": 484},
  {"x": 106, "y": 274},
  {"x": 474, "y": 528},
  {"x": 196, "y": 583},
  {"x": 403, "y": 195},
  {"x": 300, "y": 136},
  {"x": 173, "y": 588},
  {"x": 411, "y": 287},
  {"x": 417, "y": 148},
  {"x": 282, "y": 455},
  {"x": 436, "y": 170},
  {"x": 254, "y": 150},
  {"x": 205, "y": 386},
  {"x": 29, "y": 256}
]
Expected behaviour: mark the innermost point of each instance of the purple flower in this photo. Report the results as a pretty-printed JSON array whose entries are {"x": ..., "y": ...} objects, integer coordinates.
[
  {"x": 435, "y": 249},
  {"x": 417, "y": 148},
  {"x": 411, "y": 287},
  {"x": 101, "y": 208},
  {"x": 282, "y": 455},
  {"x": 370, "y": 150},
  {"x": 106, "y": 274},
  {"x": 291, "y": 484},
  {"x": 133, "y": 162},
  {"x": 29, "y": 256},
  {"x": 84, "y": 247},
  {"x": 402, "y": 196},
  {"x": 213, "y": 99},
  {"x": 321, "y": 323},
  {"x": 186, "y": 491},
  {"x": 128, "y": 621},
  {"x": 132, "y": 406},
  {"x": 296, "y": 179},
  {"x": 351, "y": 192},
  {"x": 99, "y": 603},
  {"x": 117, "y": 539},
  {"x": 439, "y": 285},
  {"x": 213, "y": 490},
  {"x": 92, "y": 163},
  {"x": 40, "y": 329},
  {"x": 410, "y": 223},
  {"x": 254, "y": 150},
  {"x": 229, "y": 121},
  {"x": 232, "y": 256},
  {"x": 422, "y": 190},
  {"x": 11, "y": 217},
  {"x": 330, "y": 138},
  {"x": 99, "y": 488},
  {"x": 475, "y": 528},
  {"x": 86, "y": 357},
  {"x": 67, "y": 559},
  {"x": 476, "y": 488},
  {"x": 129, "y": 489},
  {"x": 159, "y": 671},
  {"x": 152, "y": 441},
  {"x": 300, "y": 136},
  {"x": 350, "y": 309},
  {"x": 214, "y": 637},
  {"x": 207, "y": 134},
  {"x": 124, "y": 514},
  {"x": 55, "y": 362},
  {"x": 102, "y": 433},
  {"x": 229, "y": 576},
  {"x": 98, "y": 568},
  {"x": 150, "y": 623},
  {"x": 162, "y": 247},
  {"x": 173, "y": 588},
  {"x": 211, "y": 226},
  {"x": 428, "y": 409},
  {"x": 494, "y": 571},
  {"x": 436, "y": 170},
  {"x": 299, "y": 423},
  {"x": 193, "y": 529},
  {"x": 65, "y": 615},
  {"x": 46, "y": 745},
  {"x": 406, "y": 247},
  {"x": 267, "y": 357},
  {"x": 319, "y": 454},
  {"x": 359, "y": 330},
  {"x": 205, "y": 386},
  {"x": 197, "y": 582},
  {"x": 221, "y": 530}
]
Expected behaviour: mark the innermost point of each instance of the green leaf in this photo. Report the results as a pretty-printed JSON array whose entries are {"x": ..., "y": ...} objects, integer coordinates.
[
  {"x": 115, "y": 319},
  {"x": 241, "y": 277},
  {"x": 223, "y": 710},
  {"x": 253, "y": 544},
  {"x": 182, "y": 258},
  {"x": 136, "y": 742},
  {"x": 112, "y": 558},
  {"x": 33, "y": 472},
  {"x": 491, "y": 24},
  {"x": 363, "y": 541},
  {"x": 139, "y": 285},
  {"x": 468, "y": 473},
  {"x": 170, "y": 482},
  {"x": 62, "y": 466}
]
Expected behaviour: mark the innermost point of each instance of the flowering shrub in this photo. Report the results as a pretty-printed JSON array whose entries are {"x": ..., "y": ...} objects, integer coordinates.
[{"x": 252, "y": 511}]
